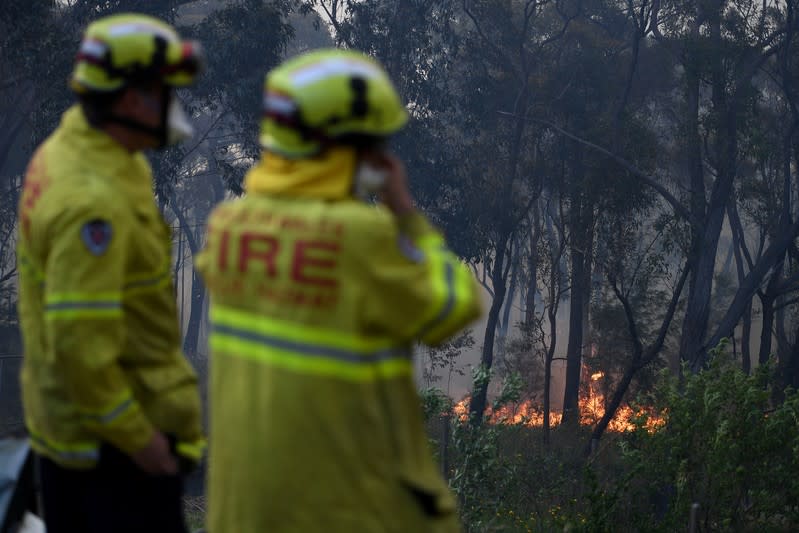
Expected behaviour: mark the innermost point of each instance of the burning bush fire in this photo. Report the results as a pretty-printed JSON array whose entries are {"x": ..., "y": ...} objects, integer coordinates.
[{"x": 592, "y": 409}]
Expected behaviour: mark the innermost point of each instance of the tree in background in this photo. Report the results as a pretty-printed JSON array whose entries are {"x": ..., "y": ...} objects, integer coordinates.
[{"x": 244, "y": 39}]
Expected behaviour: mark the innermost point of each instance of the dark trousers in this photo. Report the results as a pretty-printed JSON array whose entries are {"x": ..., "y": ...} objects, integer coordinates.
[{"x": 114, "y": 497}]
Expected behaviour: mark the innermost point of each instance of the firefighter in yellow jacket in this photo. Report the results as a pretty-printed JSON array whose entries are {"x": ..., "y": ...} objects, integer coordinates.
[
  {"x": 317, "y": 300},
  {"x": 111, "y": 404}
]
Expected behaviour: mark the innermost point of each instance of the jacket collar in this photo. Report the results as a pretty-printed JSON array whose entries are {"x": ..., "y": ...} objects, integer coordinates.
[
  {"x": 104, "y": 152},
  {"x": 327, "y": 176}
]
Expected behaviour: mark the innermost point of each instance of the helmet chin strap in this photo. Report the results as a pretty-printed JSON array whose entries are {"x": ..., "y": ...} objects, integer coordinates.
[{"x": 160, "y": 132}]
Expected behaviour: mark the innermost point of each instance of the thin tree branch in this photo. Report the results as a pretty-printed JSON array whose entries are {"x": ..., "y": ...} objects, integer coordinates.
[
  {"x": 485, "y": 38},
  {"x": 675, "y": 204},
  {"x": 655, "y": 347},
  {"x": 8, "y": 275},
  {"x": 628, "y": 313},
  {"x": 482, "y": 279},
  {"x": 749, "y": 286}
]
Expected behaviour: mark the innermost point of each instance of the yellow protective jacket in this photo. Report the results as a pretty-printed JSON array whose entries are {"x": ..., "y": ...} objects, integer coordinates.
[
  {"x": 96, "y": 304},
  {"x": 316, "y": 302}
]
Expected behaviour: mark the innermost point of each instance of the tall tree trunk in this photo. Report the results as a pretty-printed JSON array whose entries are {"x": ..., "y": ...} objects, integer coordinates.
[
  {"x": 550, "y": 355},
  {"x": 767, "y": 301},
  {"x": 746, "y": 340},
  {"x": 504, "y": 324},
  {"x": 532, "y": 271},
  {"x": 20, "y": 101},
  {"x": 179, "y": 281},
  {"x": 574, "y": 350},
  {"x": 192, "y": 338},
  {"x": 512, "y": 286},
  {"x": 706, "y": 236},
  {"x": 554, "y": 291},
  {"x": 692, "y": 148},
  {"x": 499, "y": 273},
  {"x": 529, "y": 295},
  {"x": 767, "y": 333},
  {"x": 738, "y": 245},
  {"x": 588, "y": 282},
  {"x": 789, "y": 366},
  {"x": 506, "y": 229}
]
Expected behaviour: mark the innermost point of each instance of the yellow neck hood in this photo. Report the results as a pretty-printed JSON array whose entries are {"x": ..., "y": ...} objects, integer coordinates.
[{"x": 328, "y": 176}]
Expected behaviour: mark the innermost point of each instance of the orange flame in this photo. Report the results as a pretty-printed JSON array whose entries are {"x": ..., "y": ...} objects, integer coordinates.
[{"x": 592, "y": 409}]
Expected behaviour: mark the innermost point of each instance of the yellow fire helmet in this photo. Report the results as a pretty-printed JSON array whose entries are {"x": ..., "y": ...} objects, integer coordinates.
[
  {"x": 119, "y": 50},
  {"x": 327, "y": 96}
]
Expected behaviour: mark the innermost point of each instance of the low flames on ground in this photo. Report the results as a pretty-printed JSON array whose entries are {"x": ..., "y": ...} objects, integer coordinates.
[{"x": 592, "y": 409}]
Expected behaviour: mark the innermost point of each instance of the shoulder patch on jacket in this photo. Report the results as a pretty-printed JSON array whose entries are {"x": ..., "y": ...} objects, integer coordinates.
[
  {"x": 96, "y": 235},
  {"x": 409, "y": 249}
]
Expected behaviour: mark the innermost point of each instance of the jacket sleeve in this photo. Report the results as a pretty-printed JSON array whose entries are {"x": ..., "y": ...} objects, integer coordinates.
[
  {"x": 418, "y": 289},
  {"x": 84, "y": 282}
]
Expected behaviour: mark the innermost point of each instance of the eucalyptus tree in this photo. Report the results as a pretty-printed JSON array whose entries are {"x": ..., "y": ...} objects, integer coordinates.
[
  {"x": 765, "y": 203},
  {"x": 545, "y": 270},
  {"x": 594, "y": 89},
  {"x": 501, "y": 58},
  {"x": 721, "y": 47},
  {"x": 244, "y": 40},
  {"x": 622, "y": 259},
  {"x": 721, "y": 50}
]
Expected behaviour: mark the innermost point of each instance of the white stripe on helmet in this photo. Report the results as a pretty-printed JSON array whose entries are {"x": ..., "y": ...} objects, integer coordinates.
[
  {"x": 279, "y": 103},
  {"x": 129, "y": 28},
  {"x": 93, "y": 48},
  {"x": 333, "y": 67}
]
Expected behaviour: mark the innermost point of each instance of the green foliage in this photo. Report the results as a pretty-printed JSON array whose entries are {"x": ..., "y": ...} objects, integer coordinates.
[
  {"x": 718, "y": 441},
  {"x": 434, "y": 403},
  {"x": 724, "y": 446},
  {"x": 482, "y": 477}
]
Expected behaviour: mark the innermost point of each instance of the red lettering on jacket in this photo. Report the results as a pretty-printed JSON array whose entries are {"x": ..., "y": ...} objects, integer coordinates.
[
  {"x": 223, "y": 249},
  {"x": 294, "y": 224},
  {"x": 260, "y": 247},
  {"x": 36, "y": 181},
  {"x": 320, "y": 259}
]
